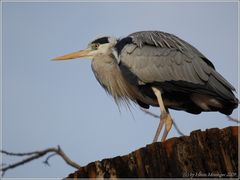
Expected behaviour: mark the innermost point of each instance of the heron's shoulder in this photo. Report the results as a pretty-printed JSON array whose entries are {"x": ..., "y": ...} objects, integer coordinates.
[
  {"x": 152, "y": 38},
  {"x": 159, "y": 39}
]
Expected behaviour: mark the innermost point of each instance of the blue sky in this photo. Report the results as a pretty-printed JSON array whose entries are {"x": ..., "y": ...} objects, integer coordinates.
[{"x": 47, "y": 103}]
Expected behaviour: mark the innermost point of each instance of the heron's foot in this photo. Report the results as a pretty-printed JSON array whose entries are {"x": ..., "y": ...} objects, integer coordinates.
[{"x": 168, "y": 126}]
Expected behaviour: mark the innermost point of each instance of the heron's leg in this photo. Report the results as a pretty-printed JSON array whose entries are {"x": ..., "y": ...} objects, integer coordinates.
[
  {"x": 165, "y": 117},
  {"x": 161, "y": 123},
  {"x": 168, "y": 126}
]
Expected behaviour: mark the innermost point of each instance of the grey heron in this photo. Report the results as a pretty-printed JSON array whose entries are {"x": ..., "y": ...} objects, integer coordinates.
[{"x": 154, "y": 68}]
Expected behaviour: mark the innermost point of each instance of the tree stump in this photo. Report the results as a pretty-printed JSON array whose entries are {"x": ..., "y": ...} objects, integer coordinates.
[{"x": 210, "y": 153}]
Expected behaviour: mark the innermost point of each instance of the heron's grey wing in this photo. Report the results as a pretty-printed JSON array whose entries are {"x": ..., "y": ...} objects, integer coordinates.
[
  {"x": 151, "y": 64},
  {"x": 161, "y": 57}
]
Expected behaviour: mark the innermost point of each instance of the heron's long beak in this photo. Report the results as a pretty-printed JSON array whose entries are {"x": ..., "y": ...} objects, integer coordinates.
[{"x": 74, "y": 55}]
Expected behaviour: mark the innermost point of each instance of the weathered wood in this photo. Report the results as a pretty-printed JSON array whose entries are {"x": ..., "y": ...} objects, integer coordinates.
[{"x": 211, "y": 153}]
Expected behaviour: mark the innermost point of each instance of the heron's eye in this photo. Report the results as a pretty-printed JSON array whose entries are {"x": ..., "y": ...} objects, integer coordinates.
[{"x": 95, "y": 46}]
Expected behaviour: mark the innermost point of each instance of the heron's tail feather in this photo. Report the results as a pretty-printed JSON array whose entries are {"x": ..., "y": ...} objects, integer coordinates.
[{"x": 224, "y": 93}]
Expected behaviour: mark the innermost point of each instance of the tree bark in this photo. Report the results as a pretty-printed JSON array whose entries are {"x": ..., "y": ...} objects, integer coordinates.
[{"x": 211, "y": 153}]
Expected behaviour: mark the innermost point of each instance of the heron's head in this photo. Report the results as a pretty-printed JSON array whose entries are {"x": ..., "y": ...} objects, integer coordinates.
[{"x": 99, "y": 46}]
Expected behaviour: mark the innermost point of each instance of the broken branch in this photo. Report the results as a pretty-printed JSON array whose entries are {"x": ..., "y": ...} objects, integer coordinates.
[{"x": 35, "y": 155}]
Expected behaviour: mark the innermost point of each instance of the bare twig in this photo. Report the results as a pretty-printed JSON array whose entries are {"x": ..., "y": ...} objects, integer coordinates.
[
  {"x": 67, "y": 159},
  {"x": 35, "y": 155},
  {"x": 19, "y": 154},
  {"x": 233, "y": 119},
  {"x": 156, "y": 116},
  {"x": 150, "y": 113},
  {"x": 177, "y": 128},
  {"x": 46, "y": 162},
  {"x": 174, "y": 123}
]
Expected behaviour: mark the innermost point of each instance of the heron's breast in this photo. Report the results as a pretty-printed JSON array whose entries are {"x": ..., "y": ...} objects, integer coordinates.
[{"x": 111, "y": 79}]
